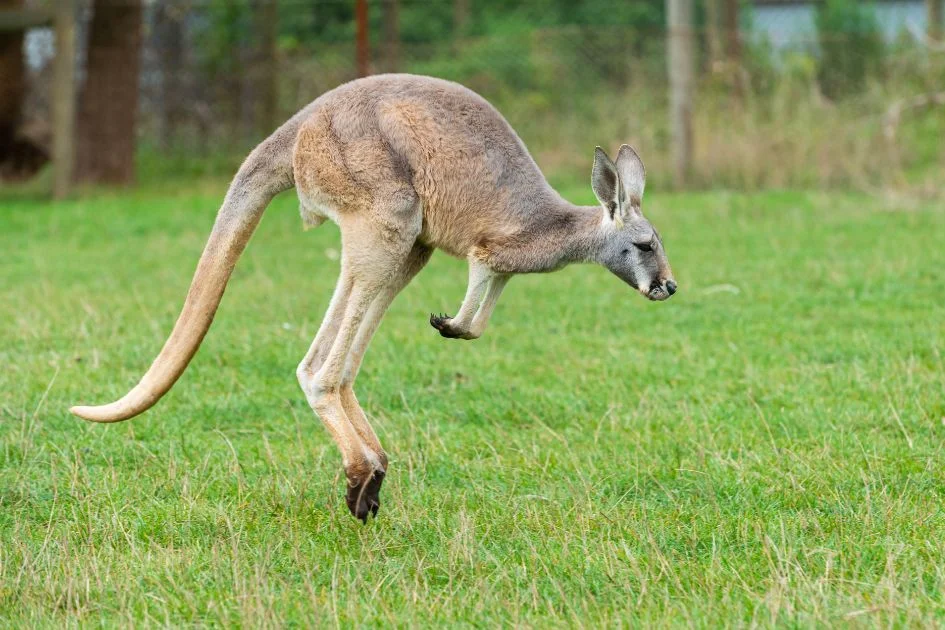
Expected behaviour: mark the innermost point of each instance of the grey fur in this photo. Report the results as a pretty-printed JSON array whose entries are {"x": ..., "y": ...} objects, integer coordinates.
[{"x": 405, "y": 164}]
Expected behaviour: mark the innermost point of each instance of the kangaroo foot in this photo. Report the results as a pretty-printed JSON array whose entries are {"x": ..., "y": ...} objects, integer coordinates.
[
  {"x": 363, "y": 496},
  {"x": 444, "y": 324}
]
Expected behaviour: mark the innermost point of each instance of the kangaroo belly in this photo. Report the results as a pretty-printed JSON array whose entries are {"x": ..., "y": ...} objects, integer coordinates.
[{"x": 315, "y": 208}]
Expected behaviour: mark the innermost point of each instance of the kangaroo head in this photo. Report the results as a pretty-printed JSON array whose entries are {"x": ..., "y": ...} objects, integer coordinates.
[{"x": 631, "y": 248}]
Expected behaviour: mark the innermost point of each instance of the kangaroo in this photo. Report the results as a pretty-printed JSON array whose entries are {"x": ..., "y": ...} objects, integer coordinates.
[{"x": 404, "y": 165}]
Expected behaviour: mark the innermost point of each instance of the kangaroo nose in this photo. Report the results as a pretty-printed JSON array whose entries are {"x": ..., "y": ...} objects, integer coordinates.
[{"x": 670, "y": 287}]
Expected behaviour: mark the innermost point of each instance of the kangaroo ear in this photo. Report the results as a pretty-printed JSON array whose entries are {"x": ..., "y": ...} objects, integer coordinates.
[
  {"x": 606, "y": 183},
  {"x": 632, "y": 174}
]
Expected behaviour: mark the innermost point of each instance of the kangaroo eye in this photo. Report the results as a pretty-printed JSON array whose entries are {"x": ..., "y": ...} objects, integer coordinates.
[{"x": 643, "y": 247}]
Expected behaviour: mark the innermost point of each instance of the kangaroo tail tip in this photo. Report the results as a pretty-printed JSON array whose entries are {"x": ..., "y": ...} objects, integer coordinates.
[
  {"x": 92, "y": 414},
  {"x": 129, "y": 406}
]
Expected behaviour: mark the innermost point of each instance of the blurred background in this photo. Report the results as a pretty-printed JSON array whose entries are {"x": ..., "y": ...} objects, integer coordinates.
[{"x": 741, "y": 94}]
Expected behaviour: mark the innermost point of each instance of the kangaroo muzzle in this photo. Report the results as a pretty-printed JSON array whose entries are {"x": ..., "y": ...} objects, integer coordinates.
[{"x": 659, "y": 291}]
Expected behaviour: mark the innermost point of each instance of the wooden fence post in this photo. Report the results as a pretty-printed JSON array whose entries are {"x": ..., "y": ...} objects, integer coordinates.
[
  {"x": 64, "y": 99},
  {"x": 680, "y": 68}
]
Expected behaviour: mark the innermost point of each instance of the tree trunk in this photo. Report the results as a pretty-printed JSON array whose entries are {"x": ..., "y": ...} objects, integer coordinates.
[
  {"x": 392, "y": 35},
  {"x": 680, "y": 69},
  {"x": 108, "y": 106},
  {"x": 934, "y": 13},
  {"x": 19, "y": 157},
  {"x": 12, "y": 82}
]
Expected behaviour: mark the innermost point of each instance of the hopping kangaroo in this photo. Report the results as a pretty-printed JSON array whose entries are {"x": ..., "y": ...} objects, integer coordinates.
[{"x": 404, "y": 165}]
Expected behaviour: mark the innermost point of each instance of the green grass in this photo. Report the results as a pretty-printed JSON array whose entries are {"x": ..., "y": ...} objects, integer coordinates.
[{"x": 765, "y": 448}]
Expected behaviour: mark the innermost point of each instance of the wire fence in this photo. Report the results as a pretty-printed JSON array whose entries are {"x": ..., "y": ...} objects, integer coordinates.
[{"x": 213, "y": 84}]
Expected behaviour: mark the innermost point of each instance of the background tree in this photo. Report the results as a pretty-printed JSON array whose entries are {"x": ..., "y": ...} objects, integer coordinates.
[
  {"x": 11, "y": 81},
  {"x": 19, "y": 157},
  {"x": 108, "y": 105}
]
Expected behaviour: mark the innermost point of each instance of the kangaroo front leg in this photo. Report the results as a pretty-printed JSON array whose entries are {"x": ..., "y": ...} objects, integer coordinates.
[
  {"x": 460, "y": 327},
  {"x": 481, "y": 319}
]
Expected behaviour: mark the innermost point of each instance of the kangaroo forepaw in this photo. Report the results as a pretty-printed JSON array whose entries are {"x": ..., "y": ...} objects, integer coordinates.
[
  {"x": 363, "y": 497},
  {"x": 444, "y": 324}
]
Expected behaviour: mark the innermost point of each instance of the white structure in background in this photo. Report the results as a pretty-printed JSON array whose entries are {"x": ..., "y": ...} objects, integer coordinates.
[
  {"x": 790, "y": 24},
  {"x": 40, "y": 46}
]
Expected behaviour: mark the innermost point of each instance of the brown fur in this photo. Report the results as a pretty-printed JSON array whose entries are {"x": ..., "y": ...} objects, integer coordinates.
[{"x": 403, "y": 164}]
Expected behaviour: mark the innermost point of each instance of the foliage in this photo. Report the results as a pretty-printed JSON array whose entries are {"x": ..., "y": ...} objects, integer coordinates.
[
  {"x": 851, "y": 46},
  {"x": 224, "y": 28},
  {"x": 564, "y": 81},
  {"x": 763, "y": 449},
  {"x": 423, "y": 22}
]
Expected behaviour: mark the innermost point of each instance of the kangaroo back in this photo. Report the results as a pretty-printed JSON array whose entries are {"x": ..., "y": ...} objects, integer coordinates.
[{"x": 265, "y": 173}]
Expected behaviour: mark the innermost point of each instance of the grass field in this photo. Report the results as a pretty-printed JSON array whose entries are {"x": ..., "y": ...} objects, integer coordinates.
[{"x": 765, "y": 448}]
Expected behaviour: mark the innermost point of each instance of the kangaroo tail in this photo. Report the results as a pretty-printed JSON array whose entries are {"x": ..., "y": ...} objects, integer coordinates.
[{"x": 265, "y": 173}]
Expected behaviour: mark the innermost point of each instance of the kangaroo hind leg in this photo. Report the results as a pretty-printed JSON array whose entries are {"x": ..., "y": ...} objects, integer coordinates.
[
  {"x": 373, "y": 258},
  {"x": 416, "y": 259},
  {"x": 368, "y": 494}
]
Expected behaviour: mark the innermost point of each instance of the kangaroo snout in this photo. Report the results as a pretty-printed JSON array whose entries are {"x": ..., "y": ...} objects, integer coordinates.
[{"x": 659, "y": 291}]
